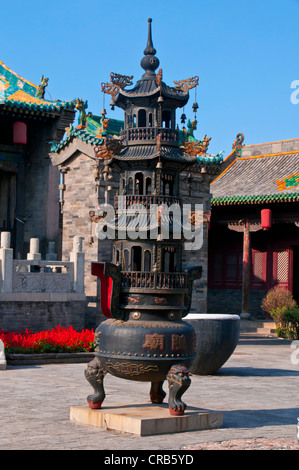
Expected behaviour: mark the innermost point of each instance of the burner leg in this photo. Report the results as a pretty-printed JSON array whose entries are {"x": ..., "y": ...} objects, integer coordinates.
[
  {"x": 95, "y": 374},
  {"x": 157, "y": 393},
  {"x": 178, "y": 381}
]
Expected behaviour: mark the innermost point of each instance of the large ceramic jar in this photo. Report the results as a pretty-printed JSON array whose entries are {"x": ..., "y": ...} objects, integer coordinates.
[{"x": 217, "y": 336}]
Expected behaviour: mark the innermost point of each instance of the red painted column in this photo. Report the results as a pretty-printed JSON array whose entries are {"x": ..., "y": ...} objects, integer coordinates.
[{"x": 246, "y": 267}]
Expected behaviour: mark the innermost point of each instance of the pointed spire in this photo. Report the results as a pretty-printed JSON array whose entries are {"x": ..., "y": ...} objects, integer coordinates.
[
  {"x": 149, "y": 50},
  {"x": 149, "y": 62}
]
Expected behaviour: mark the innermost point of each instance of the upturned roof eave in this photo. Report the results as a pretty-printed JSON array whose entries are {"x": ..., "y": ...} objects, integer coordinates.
[
  {"x": 33, "y": 108},
  {"x": 124, "y": 95},
  {"x": 17, "y": 93}
]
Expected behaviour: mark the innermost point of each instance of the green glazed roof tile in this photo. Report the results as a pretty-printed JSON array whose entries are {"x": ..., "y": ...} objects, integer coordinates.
[{"x": 223, "y": 201}]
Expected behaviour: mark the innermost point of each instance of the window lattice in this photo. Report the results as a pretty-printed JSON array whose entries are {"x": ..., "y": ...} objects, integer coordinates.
[
  {"x": 258, "y": 266},
  {"x": 282, "y": 266}
]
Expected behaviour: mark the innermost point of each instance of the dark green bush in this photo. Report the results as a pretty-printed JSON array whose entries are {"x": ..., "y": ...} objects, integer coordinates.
[{"x": 287, "y": 322}]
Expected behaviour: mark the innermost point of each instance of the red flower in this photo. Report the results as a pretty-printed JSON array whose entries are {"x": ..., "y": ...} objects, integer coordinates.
[{"x": 59, "y": 339}]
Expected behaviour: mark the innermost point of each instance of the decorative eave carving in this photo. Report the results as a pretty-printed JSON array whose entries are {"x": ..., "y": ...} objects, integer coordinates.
[
  {"x": 118, "y": 82},
  {"x": 183, "y": 86},
  {"x": 109, "y": 148},
  {"x": 195, "y": 147}
]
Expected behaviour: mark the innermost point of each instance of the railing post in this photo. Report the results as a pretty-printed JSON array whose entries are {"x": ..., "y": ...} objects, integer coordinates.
[
  {"x": 2, "y": 356},
  {"x": 34, "y": 253},
  {"x": 6, "y": 256},
  {"x": 77, "y": 257},
  {"x": 51, "y": 255}
]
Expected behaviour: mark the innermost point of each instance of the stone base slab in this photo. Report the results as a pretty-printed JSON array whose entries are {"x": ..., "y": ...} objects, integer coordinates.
[{"x": 146, "y": 420}]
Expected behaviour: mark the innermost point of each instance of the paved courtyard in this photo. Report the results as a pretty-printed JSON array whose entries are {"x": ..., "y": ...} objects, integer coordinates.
[{"x": 257, "y": 391}]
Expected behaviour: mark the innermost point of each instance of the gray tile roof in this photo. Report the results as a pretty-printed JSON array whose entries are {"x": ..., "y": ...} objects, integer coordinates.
[
  {"x": 147, "y": 152},
  {"x": 254, "y": 178},
  {"x": 147, "y": 87}
]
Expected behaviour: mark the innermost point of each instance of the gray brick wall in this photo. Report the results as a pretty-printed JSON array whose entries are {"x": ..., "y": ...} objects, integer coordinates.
[
  {"x": 230, "y": 301},
  {"x": 41, "y": 315}
]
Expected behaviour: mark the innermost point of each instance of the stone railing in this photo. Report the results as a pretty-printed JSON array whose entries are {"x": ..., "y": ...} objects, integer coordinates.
[
  {"x": 42, "y": 276},
  {"x": 148, "y": 135},
  {"x": 146, "y": 201},
  {"x": 148, "y": 280},
  {"x": 36, "y": 275}
]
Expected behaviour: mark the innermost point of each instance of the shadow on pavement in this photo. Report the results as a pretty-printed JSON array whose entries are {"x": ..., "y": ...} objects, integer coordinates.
[
  {"x": 260, "y": 418},
  {"x": 256, "y": 372}
]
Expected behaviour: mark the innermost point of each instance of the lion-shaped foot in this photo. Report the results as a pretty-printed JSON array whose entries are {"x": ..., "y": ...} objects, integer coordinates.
[
  {"x": 95, "y": 374},
  {"x": 157, "y": 393},
  {"x": 178, "y": 381}
]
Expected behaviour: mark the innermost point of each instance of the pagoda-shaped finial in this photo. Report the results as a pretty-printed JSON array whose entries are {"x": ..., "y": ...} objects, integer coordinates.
[
  {"x": 149, "y": 50},
  {"x": 149, "y": 62}
]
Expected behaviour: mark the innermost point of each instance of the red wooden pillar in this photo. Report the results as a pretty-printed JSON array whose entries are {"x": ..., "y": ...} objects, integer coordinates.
[{"x": 246, "y": 267}]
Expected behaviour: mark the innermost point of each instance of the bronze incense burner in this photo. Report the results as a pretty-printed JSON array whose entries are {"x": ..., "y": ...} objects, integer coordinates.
[{"x": 145, "y": 290}]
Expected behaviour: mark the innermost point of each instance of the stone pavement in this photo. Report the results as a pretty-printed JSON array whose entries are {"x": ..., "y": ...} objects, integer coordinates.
[{"x": 257, "y": 391}]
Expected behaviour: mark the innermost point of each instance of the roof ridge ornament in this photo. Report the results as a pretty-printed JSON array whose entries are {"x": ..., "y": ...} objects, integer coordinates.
[
  {"x": 238, "y": 144},
  {"x": 159, "y": 77},
  {"x": 81, "y": 105},
  {"x": 40, "y": 92},
  {"x": 197, "y": 147}
]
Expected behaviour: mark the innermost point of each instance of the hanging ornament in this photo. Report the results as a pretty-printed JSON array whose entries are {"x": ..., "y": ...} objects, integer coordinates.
[
  {"x": 112, "y": 104},
  {"x": 195, "y": 106},
  {"x": 183, "y": 117},
  {"x": 103, "y": 112}
]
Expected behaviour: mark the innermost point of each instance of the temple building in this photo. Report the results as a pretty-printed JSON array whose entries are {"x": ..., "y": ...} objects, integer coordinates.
[
  {"x": 253, "y": 236},
  {"x": 29, "y": 201}
]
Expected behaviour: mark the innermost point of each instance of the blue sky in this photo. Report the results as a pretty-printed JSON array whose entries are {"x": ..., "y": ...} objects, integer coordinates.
[{"x": 245, "y": 53}]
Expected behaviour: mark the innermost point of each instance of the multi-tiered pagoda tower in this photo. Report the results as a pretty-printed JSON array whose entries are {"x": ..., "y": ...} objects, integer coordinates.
[{"x": 145, "y": 290}]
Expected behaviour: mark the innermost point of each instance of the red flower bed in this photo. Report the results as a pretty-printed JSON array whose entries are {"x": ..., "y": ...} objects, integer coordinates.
[{"x": 59, "y": 339}]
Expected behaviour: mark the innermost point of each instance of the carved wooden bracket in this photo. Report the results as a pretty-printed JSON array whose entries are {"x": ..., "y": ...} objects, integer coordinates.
[{"x": 254, "y": 226}]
